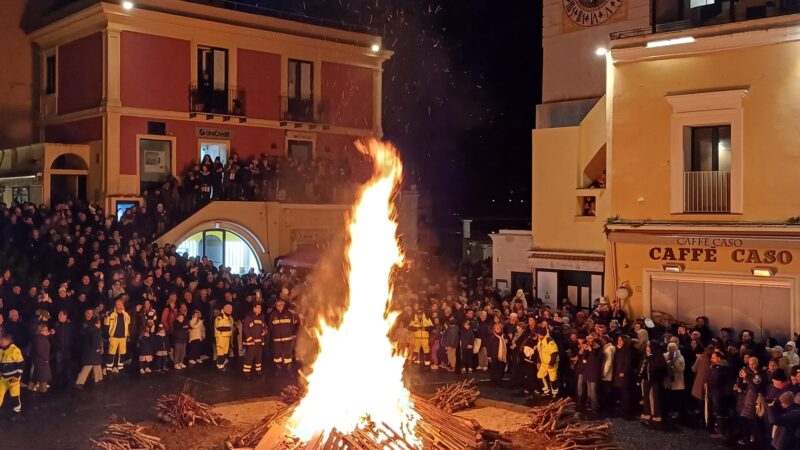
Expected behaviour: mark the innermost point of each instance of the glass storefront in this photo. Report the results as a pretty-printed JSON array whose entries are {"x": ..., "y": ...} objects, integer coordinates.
[{"x": 222, "y": 247}]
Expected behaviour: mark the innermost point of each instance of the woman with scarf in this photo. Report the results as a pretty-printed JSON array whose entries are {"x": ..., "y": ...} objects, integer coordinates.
[{"x": 497, "y": 352}]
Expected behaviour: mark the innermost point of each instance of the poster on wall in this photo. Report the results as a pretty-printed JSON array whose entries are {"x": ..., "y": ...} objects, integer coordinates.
[{"x": 155, "y": 159}]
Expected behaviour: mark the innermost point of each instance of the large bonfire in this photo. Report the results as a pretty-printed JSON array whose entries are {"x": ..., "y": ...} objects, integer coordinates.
[{"x": 343, "y": 393}]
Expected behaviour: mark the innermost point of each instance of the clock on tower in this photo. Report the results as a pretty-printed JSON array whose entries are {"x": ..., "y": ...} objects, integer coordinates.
[{"x": 587, "y": 13}]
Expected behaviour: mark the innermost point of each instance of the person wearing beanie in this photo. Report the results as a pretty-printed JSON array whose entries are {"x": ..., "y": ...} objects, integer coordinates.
[
  {"x": 161, "y": 349},
  {"x": 674, "y": 382},
  {"x": 791, "y": 354}
]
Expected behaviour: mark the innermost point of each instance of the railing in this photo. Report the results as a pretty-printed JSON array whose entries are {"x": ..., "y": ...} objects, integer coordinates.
[
  {"x": 223, "y": 102},
  {"x": 706, "y": 192},
  {"x": 712, "y": 14},
  {"x": 311, "y": 110}
]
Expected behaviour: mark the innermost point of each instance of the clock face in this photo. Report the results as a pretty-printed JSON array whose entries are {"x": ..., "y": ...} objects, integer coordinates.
[{"x": 587, "y": 13}]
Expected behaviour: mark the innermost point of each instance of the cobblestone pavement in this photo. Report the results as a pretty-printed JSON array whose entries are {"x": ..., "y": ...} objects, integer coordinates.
[{"x": 66, "y": 420}]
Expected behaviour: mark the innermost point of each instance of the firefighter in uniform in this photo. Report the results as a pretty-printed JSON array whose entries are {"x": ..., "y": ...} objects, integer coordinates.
[
  {"x": 11, "y": 363},
  {"x": 223, "y": 330},
  {"x": 118, "y": 324},
  {"x": 548, "y": 362},
  {"x": 254, "y": 331},
  {"x": 421, "y": 327},
  {"x": 282, "y": 330}
]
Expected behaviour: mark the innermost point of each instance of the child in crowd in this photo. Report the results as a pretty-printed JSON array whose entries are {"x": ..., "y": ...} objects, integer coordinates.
[
  {"x": 145, "y": 351},
  {"x": 161, "y": 349},
  {"x": 181, "y": 340},
  {"x": 197, "y": 334}
]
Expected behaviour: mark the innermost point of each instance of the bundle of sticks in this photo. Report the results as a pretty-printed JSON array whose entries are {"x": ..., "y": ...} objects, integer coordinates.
[
  {"x": 562, "y": 426},
  {"x": 123, "y": 435},
  {"x": 456, "y": 396},
  {"x": 250, "y": 438},
  {"x": 293, "y": 393},
  {"x": 182, "y": 410},
  {"x": 436, "y": 429}
]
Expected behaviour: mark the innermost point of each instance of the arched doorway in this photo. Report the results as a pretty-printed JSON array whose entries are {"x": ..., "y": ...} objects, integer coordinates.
[
  {"x": 68, "y": 178},
  {"x": 222, "y": 247}
]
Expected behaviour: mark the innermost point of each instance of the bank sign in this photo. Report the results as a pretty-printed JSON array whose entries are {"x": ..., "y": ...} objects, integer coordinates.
[
  {"x": 213, "y": 133},
  {"x": 707, "y": 249}
]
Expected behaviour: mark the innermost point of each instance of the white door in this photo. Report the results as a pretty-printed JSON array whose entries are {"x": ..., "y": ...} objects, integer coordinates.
[
  {"x": 214, "y": 150},
  {"x": 547, "y": 287}
]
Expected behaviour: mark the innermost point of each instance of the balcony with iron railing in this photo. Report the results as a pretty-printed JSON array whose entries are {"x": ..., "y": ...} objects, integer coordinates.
[
  {"x": 668, "y": 17},
  {"x": 310, "y": 110},
  {"x": 706, "y": 192},
  {"x": 230, "y": 102}
]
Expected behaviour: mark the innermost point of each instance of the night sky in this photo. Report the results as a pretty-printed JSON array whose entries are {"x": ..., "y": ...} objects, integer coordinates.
[{"x": 459, "y": 94}]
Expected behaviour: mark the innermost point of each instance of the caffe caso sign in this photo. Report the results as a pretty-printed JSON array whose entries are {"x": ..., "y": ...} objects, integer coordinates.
[{"x": 702, "y": 249}]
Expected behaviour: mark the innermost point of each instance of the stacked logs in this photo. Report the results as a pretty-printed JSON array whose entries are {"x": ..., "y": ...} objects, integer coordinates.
[
  {"x": 182, "y": 410},
  {"x": 562, "y": 426},
  {"x": 123, "y": 435},
  {"x": 292, "y": 394},
  {"x": 456, "y": 396},
  {"x": 251, "y": 437}
]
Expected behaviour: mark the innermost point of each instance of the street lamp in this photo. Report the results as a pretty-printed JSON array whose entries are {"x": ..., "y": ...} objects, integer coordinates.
[
  {"x": 376, "y": 48},
  {"x": 127, "y": 5}
]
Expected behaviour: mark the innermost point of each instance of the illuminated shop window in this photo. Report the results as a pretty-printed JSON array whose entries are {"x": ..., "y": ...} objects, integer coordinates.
[{"x": 222, "y": 247}]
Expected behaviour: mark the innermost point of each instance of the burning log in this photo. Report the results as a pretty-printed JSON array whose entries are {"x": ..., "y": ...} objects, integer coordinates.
[
  {"x": 563, "y": 427},
  {"x": 123, "y": 435},
  {"x": 436, "y": 429},
  {"x": 182, "y": 410},
  {"x": 456, "y": 396},
  {"x": 292, "y": 394}
]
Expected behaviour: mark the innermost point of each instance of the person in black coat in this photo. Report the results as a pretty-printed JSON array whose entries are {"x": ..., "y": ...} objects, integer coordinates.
[
  {"x": 652, "y": 374},
  {"x": 590, "y": 370},
  {"x": 42, "y": 375},
  {"x": 718, "y": 391},
  {"x": 787, "y": 424},
  {"x": 624, "y": 373},
  {"x": 91, "y": 353},
  {"x": 63, "y": 350}
]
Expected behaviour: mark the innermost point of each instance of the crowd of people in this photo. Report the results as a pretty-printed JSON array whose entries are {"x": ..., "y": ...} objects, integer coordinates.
[
  {"x": 742, "y": 390},
  {"x": 91, "y": 297}
]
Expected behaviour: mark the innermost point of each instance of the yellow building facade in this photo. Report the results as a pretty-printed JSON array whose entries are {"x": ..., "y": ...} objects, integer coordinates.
[{"x": 703, "y": 161}]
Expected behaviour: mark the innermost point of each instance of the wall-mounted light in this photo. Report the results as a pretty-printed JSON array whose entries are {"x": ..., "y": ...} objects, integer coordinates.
[
  {"x": 127, "y": 5},
  {"x": 376, "y": 48},
  {"x": 668, "y": 42},
  {"x": 674, "y": 268},
  {"x": 601, "y": 51},
  {"x": 764, "y": 271}
]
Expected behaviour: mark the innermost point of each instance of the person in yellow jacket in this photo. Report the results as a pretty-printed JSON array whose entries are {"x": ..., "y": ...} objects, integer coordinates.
[
  {"x": 420, "y": 328},
  {"x": 11, "y": 364},
  {"x": 118, "y": 324},
  {"x": 223, "y": 330},
  {"x": 547, "y": 368}
]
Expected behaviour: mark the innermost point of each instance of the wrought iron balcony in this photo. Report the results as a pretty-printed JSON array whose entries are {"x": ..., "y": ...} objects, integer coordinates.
[
  {"x": 312, "y": 110},
  {"x": 706, "y": 192},
  {"x": 207, "y": 100}
]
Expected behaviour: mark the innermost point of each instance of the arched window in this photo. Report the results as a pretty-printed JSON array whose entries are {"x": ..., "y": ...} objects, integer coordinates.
[
  {"x": 69, "y": 161},
  {"x": 222, "y": 247}
]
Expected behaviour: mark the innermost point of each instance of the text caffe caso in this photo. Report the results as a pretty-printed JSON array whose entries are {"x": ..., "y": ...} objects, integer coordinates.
[{"x": 707, "y": 250}]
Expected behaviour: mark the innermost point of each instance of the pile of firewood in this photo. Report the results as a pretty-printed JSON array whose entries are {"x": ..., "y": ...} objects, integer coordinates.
[
  {"x": 251, "y": 437},
  {"x": 292, "y": 394},
  {"x": 561, "y": 425},
  {"x": 456, "y": 396},
  {"x": 182, "y": 410},
  {"x": 123, "y": 435}
]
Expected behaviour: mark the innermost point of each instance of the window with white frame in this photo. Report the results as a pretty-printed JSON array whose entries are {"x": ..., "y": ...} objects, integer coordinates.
[{"x": 706, "y": 151}]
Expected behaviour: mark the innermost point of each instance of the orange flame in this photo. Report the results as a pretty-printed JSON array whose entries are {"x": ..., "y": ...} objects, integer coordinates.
[{"x": 357, "y": 377}]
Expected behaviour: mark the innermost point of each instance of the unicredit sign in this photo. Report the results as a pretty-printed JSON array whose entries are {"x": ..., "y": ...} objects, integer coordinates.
[{"x": 213, "y": 133}]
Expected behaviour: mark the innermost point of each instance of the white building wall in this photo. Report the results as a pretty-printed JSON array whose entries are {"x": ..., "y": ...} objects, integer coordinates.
[{"x": 510, "y": 250}]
